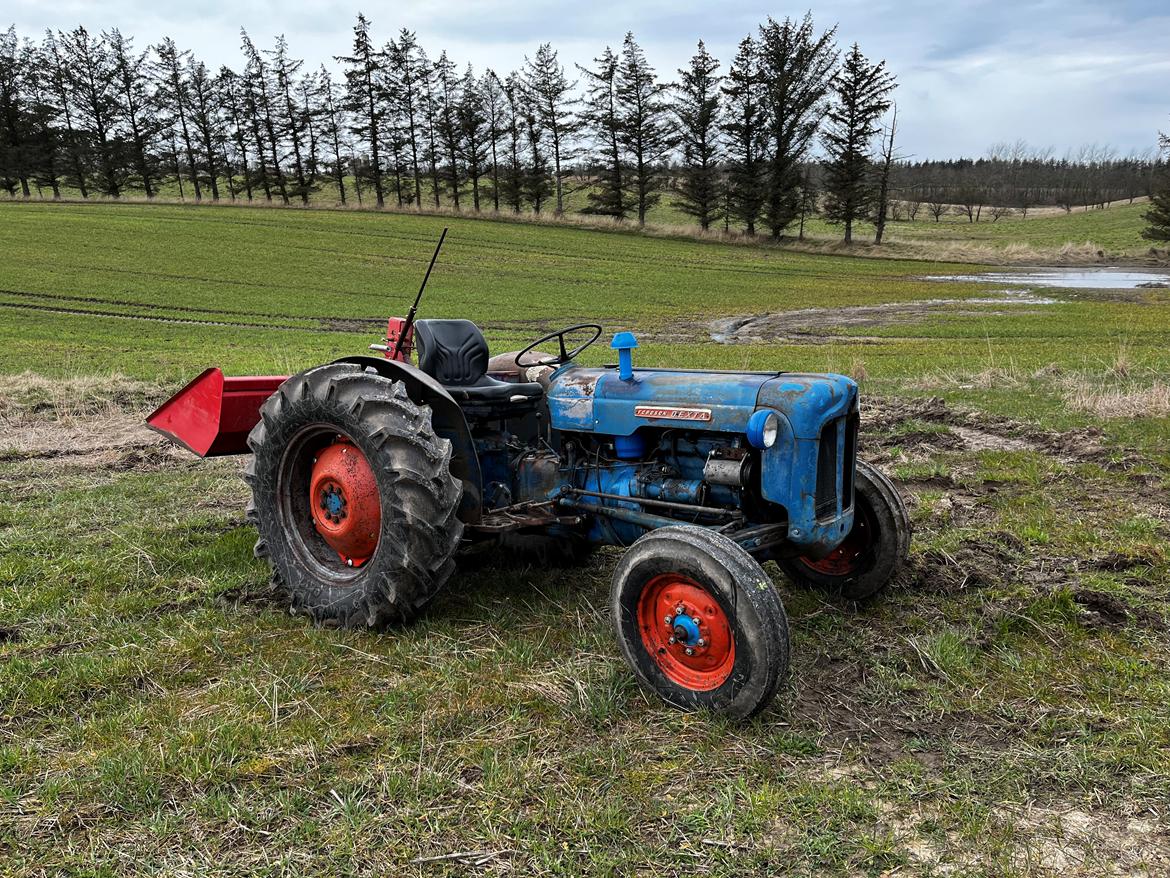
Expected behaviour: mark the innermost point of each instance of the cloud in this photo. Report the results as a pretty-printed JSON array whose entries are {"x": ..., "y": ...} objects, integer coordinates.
[{"x": 1056, "y": 73}]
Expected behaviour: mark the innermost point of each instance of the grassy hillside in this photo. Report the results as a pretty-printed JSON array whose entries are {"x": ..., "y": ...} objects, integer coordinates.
[{"x": 1000, "y": 711}]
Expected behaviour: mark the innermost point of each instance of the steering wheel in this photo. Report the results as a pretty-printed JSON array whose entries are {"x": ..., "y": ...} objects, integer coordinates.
[{"x": 565, "y": 354}]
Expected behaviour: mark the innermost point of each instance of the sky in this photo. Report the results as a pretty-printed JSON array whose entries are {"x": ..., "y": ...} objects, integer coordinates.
[{"x": 1058, "y": 74}]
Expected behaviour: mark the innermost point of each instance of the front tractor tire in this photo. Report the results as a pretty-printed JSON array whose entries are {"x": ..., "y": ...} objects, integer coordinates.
[
  {"x": 353, "y": 498},
  {"x": 699, "y": 622},
  {"x": 873, "y": 553}
]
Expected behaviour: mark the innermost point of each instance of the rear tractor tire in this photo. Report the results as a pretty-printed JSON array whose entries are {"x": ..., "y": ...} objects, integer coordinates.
[
  {"x": 699, "y": 622},
  {"x": 873, "y": 553},
  {"x": 353, "y": 498}
]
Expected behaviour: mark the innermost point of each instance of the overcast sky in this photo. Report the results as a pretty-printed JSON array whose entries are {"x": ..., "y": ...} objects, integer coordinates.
[{"x": 1057, "y": 73}]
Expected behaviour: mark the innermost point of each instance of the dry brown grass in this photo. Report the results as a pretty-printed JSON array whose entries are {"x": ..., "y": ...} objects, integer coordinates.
[
  {"x": 1152, "y": 401},
  {"x": 33, "y": 398}
]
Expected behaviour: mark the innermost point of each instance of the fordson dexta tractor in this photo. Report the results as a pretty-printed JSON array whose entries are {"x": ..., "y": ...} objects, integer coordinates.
[{"x": 371, "y": 475}]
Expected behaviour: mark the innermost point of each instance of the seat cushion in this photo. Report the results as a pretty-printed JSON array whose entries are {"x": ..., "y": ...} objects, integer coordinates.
[{"x": 455, "y": 353}]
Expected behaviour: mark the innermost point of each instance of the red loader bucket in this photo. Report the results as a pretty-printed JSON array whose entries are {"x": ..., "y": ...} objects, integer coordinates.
[{"x": 213, "y": 415}]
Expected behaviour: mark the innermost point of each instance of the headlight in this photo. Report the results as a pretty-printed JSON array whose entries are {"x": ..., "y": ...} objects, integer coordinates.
[{"x": 763, "y": 428}]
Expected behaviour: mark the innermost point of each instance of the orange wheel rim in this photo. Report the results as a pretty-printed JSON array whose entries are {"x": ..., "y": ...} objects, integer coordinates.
[
  {"x": 344, "y": 499},
  {"x": 854, "y": 552},
  {"x": 686, "y": 632}
]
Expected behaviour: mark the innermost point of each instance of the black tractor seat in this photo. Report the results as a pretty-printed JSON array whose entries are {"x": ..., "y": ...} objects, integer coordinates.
[{"x": 455, "y": 354}]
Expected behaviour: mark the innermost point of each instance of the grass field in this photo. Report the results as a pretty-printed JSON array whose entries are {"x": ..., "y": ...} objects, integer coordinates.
[{"x": 1000, "y": 711}]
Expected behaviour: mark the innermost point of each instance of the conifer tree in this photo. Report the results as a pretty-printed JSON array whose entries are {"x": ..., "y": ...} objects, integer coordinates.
[
  {"x": 447, "y": 122},
  {"x": 797, "y": 66},
  {"x": 512, "y": 184},
  {"x": 364, "y": 90},
  {"x": 332, "y": 126},
  {"x": 228, "y": 88},
  {"x": 645, "y": 128},
  {"x": 15, "y": 136},
  {"x": 601, "y": 116},
  {"x": 548, "y": 89},
  {"x": 406, "y": 80},
  {"x": 860, "y": 96},
  {"x": 491, "y": 91},
  {"x": 473, "y": 133},
  {"x": 1158, "y": 216},
  {"x": 91, "y": 75},
  {"x": 138, "y": 110},
  {"x": 745, "y": 129},
  {"x": 172, "y": 94},
  {"x": 697, "y": 108},
  {"x": 292, "y": 120},
  {"x": 205, "y": 120},
  {"x": 263, "y": 95}
]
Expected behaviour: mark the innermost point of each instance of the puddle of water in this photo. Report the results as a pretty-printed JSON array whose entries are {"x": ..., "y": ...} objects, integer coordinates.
[{"x": 1075, "y": 279}]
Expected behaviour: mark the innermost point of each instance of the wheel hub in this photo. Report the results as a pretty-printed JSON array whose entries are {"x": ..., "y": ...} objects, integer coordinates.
[
  {"x": 686, "y": 632},
  {"x": 347, "y": 509}
]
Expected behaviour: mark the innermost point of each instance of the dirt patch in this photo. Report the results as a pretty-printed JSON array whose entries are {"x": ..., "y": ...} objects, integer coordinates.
[
  {"x": 981, "y": 431},
  {"x": 820, "y": 324}
]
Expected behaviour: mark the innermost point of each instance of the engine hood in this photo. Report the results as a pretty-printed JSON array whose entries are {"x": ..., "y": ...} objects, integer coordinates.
[{"x": 599, "y": 401}]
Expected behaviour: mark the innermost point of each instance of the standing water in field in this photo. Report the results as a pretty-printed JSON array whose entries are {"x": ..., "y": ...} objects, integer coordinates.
[{"x": 1074, "y": 279}]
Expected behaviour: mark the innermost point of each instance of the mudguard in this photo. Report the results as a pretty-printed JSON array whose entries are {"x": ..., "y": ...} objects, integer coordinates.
[{"x": 446, "y": 418}]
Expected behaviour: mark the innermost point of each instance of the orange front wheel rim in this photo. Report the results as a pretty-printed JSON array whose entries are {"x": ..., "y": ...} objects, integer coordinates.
[{"x": 686, "y": 632}]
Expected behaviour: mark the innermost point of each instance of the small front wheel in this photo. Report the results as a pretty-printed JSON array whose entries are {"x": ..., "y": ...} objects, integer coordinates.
[{"x": 699, "y": 622}]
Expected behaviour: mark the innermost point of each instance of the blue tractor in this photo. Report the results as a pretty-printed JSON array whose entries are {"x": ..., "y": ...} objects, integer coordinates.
[{"x": 371, "y": 476}]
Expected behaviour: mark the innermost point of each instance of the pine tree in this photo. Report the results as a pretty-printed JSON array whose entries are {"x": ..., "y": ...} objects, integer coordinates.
[
  {"x": 404, "y": 86},
  {"x": 697, "y": 108},
  {"x": 91, "y": 74},
  {"x": 228, "y": 88},
  {"x": 447, "y": 124},
  {"x": 332, "y": 126},
  {"x": 262, "y": 95},
  {"x": 1158, "y": 216},
  {"x": 808, "y": 197},
  {"x": 473, "y": 133},
  {"x": 364, "y": 91},
  {"x": 512, "y": 185},
  {"x": 204, "y": 120},
  {"x": 15, "y": 135},
  {"x": 138, "y": 109},
  {"x": 45, "y": 146},
  {"x": 601, "y": 116},
  {"x": 645, "y": 128},
  {"x": 292, "y": 120},
  {"x": 745, "y": 127},
  {"x": 548, "y": 87},
  {"x": 491, "y": 91},
  {"x": 172, "y": 93},
  {"x": 861, "y": 95},
  {"x": 537, "y": 186},
  {"x": 797, "y": 67},
  {"x": 60, "y": 89}
]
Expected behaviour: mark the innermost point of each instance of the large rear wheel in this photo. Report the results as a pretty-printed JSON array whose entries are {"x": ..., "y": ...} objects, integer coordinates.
[
  {"x": 353, "y": 497},
  {"x": 873, "y": 553},
  {"x": 699, "y": 621}
]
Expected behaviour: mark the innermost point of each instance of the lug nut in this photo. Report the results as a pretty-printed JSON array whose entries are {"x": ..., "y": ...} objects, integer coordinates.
[
  {"x": 702, "y": 642},
  {"x": 668, "y": 619},
  {"x": 690, "y": 651},
  {"x": 349, "y": 562},
  {"x": 673, "y": 640}
]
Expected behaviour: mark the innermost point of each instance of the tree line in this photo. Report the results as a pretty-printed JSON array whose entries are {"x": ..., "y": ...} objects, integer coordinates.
[
  {"x": 94, "y": 115},
  {"x": 793, "y": 127}
]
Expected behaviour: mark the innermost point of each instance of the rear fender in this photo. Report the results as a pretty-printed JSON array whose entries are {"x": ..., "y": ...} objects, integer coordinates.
[{"x": 446, "y": 418}]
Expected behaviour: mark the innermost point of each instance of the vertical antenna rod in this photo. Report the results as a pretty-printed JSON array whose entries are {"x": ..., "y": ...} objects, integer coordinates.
[{"x": 414, "y": 308}]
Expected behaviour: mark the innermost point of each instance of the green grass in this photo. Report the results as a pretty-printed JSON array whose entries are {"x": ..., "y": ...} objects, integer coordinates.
[{"x": 160, "y": 713}]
